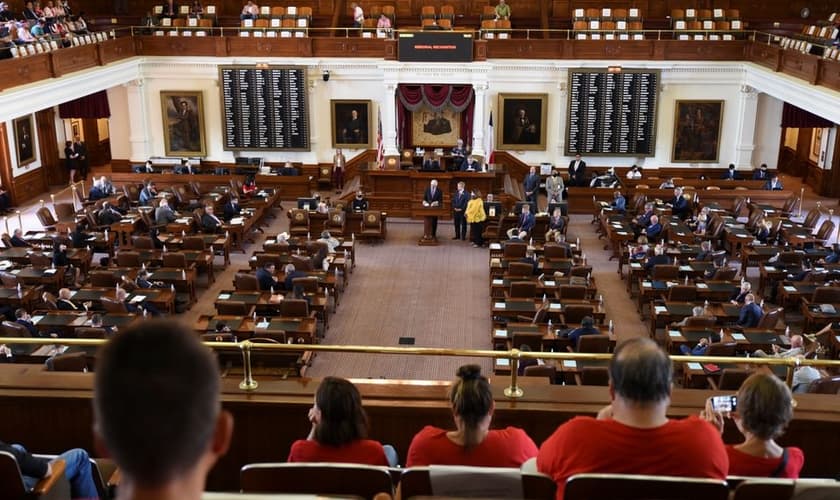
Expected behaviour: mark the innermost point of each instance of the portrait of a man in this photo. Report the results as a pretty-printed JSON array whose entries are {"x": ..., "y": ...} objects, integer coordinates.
[
  {"x": 183, "y": 123},
  {"x": 24, "y": 142},
  {"x": 697, "y": 127},
  {"x": 437, "y": 125},
  {"x": 523, "y": 120},
  {"x": 351, "y": 124}
]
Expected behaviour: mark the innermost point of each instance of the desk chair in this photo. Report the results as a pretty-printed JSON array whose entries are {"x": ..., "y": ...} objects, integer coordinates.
[
  {"x": 128, "y": 259},
  {"x": 316, "y": 479},
  {"x": 416, "y": 481},
  {"x": 70, "y": 362},
  {"x": 112, "y": 305},
  {"x": 547, "y": 371},
  {"x": 555, "y": 251},
  {"x": 299, "y": 222},
  {"x": 789, "y": 206},
  {"x": 142, "y": 242},
  {"x": 371, "y": 227},
  {"x": 571, "y": 292},
  {"x": 336, "y": 222},
  {"x": 665, "y": 272},
  {"x": 638, "y": 487},
  {"x": 730, "y": 379},
  {"x": 45, "y": 217},
  {"x": 86, "y": 332},
  {"x": 7, "y": 240},
  {"x": 573, "y": 314},
  {"x": 13, "y": 329},
  {"x": 521, "y": 290},
  {"x": 245, "y": 282},
  {"x": 682, "y": 293},
  {"x": 194, "y": 243},
  {"x": 580, "y": 271},
  {"x": 65, "y": 212},
  {"x": 295, "y": 308},
  {"x": 234, "y": 308},
  {"x": 593, "y": 375},
  {"x": 8, "y": 279},
  {"x": 218, "y": 337},
  {"x": 722, "y": 349},
  {"x": 725, "y": 274},
  {"x": 592, "y": 344},
  {"x": 308, "y": 284},
  {"x": 825, "y": 385},
  {"x": 519, "y": 269},
  {"x": 769, "y": 319},
  {"x": 824, "y": 232},
  {"x": 811, "y": 218},
  {"x": 514, "y": 250},
  {"x": 12, "y": 486}
]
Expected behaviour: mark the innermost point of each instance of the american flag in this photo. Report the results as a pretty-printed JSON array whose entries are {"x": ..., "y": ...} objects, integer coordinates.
[
  {"x": 489, "y": 142},
  {"x": 380, "y": 147}
]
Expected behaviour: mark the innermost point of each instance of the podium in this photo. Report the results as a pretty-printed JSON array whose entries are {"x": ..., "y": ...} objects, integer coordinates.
[{"x": 428, "y": 214}]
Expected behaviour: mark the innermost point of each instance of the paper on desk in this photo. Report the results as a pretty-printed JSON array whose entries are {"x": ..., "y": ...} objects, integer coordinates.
[
  {"x": 495, "y": 246},
  {"x": 498, "y": 282},
  {"x": 183, "y": 220},
  {"x": 685, "y": 268},
  {"x": 224, "y": 296},
  {"x": 739, "y": 336},
  {"x": 622, "y": 233},
  {"x": 694, "y": 366},
  {"x": 138, "y": 298},
  {"x": 50, "y": 271},
  {"x": 660, "y": 309},
  {"x": 555, "y": 307},
  {"x": 789, "y": 288},
  {"x": 635, "y": 265},
  {"x": 262, "y": 325},
  {"x": 36, "y": 319},
  {"x": 14, "y": 271},
  {"x": 549, "y": 283},
  {"x": 499, "y": 305},
  {"x": 237, "y": 220},
  {"x": 500, "y": 333},
  {"x": 674, "y": 333},
  {"x": 702, "y": 285},
  {"x": 647, "y": 284},
  {"x": 570, "y": 363}
]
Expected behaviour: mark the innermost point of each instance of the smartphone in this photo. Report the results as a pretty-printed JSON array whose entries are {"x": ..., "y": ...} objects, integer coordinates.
[{"x": 724, "y": 403}]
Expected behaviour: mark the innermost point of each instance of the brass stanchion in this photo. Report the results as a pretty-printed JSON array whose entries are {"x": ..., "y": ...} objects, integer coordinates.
[
  {"x": 20, "y": 221},
  {"x": 6, "y": 220},
  {"x": 514, "y": 391},
  {"x": 248, "y": 383},
  {"x": 801, "y": 197}
]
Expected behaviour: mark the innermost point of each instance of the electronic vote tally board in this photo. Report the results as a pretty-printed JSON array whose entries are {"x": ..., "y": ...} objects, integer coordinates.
[
  {"x": 612, "y": 113},
  {"x": 264, "y": 108}
]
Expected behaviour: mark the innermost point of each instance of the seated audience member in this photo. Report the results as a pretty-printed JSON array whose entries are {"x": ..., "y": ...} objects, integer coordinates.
[
  {"x": 209, "y": 222},
  {"x": 705, "y": 253},
  {"x": 289, "y": 169},
  {"x": 472, "y": 442},
  {"x": 79, "y": 237},
  {"x": 668, "y": 183},
  {"x": 643, "y": 220},
  {"x": 23, "y": 318},
  {"x": 679, "y": 205},
  {"x": 760, "y": 174},
  {"x": 696, "y": 312},
  {"x": 764, "y": 409},
  {"x": 774, "y": 184},
  {"x": 144, "y": 280},
  {"x": 763, "y": 232},
  {"x": 339, "y": 429},
  {"x": 249, "y": 187},
  {"x": 132, "y": 307},
  {"x": 185, "y": 168},
  {"x": 76, "y": 469},
  {"x": 640, "y": 250},
  {"x": 97, "y": 322},
  {"x": 587, "y": 327},
  {"x": 291, "y": 273},
  {"x": 459, "y": 153},
  {"x": 525, "y": 362},
  {"x": 641, "y": 377},
  {"x": 5, "y": 14},
  {"x": 165, "y": 430},
  {"x": 751, "y": 313},
  {"x": 147, "y": 194},
  {"x": 619, "y": 203},
  {"x": 108, "y": 215},
  {"x": 702, "y": 346},
  {"x": 97, "y": 191},
  {"x": 797, "y": 348},
  {"x": 331, "y": 242},
  {"x": 556, "y": 224},
  {"x": 430, "y": 163},
  {"x": 249, "y": 11},
  {"x": 654, "y": 228},
  {"x": 470, "y": 164},
  {"x": 265, "y": 277},
  {"x": 360, "y": 204},
  {"x": 63, "y": 302},
  {"x": 525, "y": 223},
  {"x": 832, "y": 258},
  {"x": 232, "y": 208},
  {"x": 17, "y": 239},
  {"x": 659, "y": 258},
  {"x": 740, "y": 295},
  {"x": 531, "y": 259},
  {"x": 5, "y": 200},
  {"x": 634, "y": 173},
  {"x": 730, "y": 173},
  {"x": 803, "y": 376},
  {"x": 164, "y": 213}
]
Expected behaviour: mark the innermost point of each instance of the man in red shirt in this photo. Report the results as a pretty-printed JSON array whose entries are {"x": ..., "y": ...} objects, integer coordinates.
[{"x": 633, "y": 435}]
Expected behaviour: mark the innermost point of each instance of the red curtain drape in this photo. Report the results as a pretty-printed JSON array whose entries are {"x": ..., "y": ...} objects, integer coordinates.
[
  {"x": 90, "y": 106},
  {"x": 793, "y": 117},
  {"x": 410, "y": 98}
]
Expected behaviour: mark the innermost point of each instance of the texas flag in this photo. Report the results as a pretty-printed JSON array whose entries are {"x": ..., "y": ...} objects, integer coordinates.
[{"x": 489, "y": 141}]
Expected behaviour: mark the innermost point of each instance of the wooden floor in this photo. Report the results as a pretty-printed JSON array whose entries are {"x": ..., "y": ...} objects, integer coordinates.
[{"x": 439, "y": 296}]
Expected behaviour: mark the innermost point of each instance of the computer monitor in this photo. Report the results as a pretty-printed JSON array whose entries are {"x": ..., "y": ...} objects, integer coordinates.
[
  {"x": 564, "y": 208},
  {"x": 518, "y": 208},
  {"x": 307, "y": 203}
]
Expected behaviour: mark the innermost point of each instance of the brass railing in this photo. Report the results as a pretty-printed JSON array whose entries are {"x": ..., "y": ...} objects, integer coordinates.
[{"x": 512, "y": 391}]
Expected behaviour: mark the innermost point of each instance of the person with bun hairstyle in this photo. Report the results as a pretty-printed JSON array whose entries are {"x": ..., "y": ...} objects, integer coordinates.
[
  {"x": 472, "y": 442},
  {"x": 764, "y": 409},
  {"x": 339, "y": 429}
]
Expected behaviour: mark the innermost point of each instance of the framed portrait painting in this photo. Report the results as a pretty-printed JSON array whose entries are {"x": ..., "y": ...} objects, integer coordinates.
[
  {"x": 522, "y": 121},
  {"x": 697, "y": 126},
  {"x": 183, "y": 123},
  {"x": 24, "y": 140},
  {"x": 435, "y": 129},
  {"x": 350, "y": 121}
]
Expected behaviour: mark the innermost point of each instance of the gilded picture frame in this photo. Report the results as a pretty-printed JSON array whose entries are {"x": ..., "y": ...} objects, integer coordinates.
[
  {"x": 697, "y": 129},
  {"x": 350, "y": 123},
  {"x": 24, "y": 140},
  {"x": 183, "y": 123},
  {"x": 522, "y": 122}
]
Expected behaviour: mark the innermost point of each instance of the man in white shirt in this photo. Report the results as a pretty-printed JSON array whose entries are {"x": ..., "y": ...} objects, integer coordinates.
[{"x": 358, "y": 15}]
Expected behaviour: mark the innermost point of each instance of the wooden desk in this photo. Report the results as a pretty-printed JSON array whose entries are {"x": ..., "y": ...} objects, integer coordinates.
[
  {"x": 300, "y": 331},
  {"x": 266, "y": 304}
]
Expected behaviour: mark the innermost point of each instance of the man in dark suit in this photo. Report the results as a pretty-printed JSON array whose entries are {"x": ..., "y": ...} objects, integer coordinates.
[
  {"x": 587, "y": 327},
  {"x": 108, "y": 215},
  {"x": 653, "y": 229},
  {"x": 164, "y": 213},
  {"x": 705, "y": 253},
  {"x": 525, "y": 224},
  {"x": 17, "y": 239},
  {"x": 659, "y": 258},
  {"x": 265, "y": 277},
  {"x": 531, "y": 259},
  {"x": 360, "y": 204},
  {"x": 774, "y": 184},
  {"x": 760, "y": 174},
  {"x": 679, "y": 205},
  {"x": 64, "y": 303},
  {"x": 291, "y": 274},
  {"x": 79, "y": 237},
  {"x": 209, "y": 222},
  {"x": 470, "y": 165},
  {"x": 740, "y": 295},
  {"x": 24, "y": 319},
  {"x": 232, "y": 208},
  {"x": 459, "y": 155},
  {"x": 577, "y": 172},
  {"x": 730, "y": 173},
  {"x": 531, "y": 185},
  {"x": 96, "y": 192},
  {"x": 82, "y": 160},
  {"x": 433, "y": 197},
  {"x": 147, "y": 194},
  {"x": 459, "y": 207},
  {"x": 430, "y": 164},
  {"x": 751, "y": 313},
  {"x": 185, "y": 167}
]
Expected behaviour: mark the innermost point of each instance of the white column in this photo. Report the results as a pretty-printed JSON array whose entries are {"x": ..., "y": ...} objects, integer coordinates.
[
  {"x": 138, "y": 137},
  {"x": 388, "y": 109},
  {"x": 747, "y": 113},
  {"x": 479, "y": 119},
  {"x": 562, "y": 91}
]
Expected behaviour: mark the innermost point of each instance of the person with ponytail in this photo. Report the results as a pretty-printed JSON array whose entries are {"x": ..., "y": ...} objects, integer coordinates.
[
  {"x": 339, "y": 429},
  {"x": 472, "y": 442}
]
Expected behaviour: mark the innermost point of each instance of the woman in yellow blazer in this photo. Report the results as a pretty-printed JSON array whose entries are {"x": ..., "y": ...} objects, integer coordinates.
[{"x": 476, "y": 217}]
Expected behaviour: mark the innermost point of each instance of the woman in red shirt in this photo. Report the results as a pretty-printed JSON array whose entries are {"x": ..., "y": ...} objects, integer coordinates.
[
  {"x": 763, "y": 410},
  {"x": 339, "y": 428},
  {"x": 472, "y": 442}
]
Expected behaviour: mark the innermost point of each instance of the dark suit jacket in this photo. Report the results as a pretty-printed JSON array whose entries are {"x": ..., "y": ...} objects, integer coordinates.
[
  {"x": 438, "y": 196},
  {"x": 459, "y": 200},
  {"x": 79, "y": 239},
  {"x": 465, "y": 165},
  {"x": 759, "y": 175},
  {"x": 750, "y": 316},
  {"x": 738, "y": 296},
  {"x": 730, "y": 174},
  {"x": 763, "y": 235},
  {"x": 653, "y": 231},
  {"x": 657, "y": 260},
  {"x": 531, "y": 183},
  {"x": 209, "y": 224},
  {"x": 65, "y": 305},
  {"x": 575, "y": 334},
  {"x": 526, "y": 221},
  {"x": 96, "y": 194},
  {"x": 60, "y": 258},
  {"x": 431, "y": 165},
  {"x": 644, "y": 219},
  {"x": 287, "y": 283},
  {"x": 164, "y": 215},
  {"x": 108, "y": 217},
  {"x": 577, "y": 176},
  {"x": 19, "y": 242},
  {"x": 266, "y": 280},
  {"x": 770, "y": 187},
  {"x": 33, "y": 330},
  {"x": 232, "y": 210},
  {"x": 359, "y": 205}
]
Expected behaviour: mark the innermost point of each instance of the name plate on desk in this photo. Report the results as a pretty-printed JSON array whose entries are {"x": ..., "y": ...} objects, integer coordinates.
[
  {"x": 503, "y": 362},
  {"x": 694, "y": 366},
  {"x": 570, "y": 363},
  {"x": 660, "y": 309},
  {"x": 769, "y": 268},
  {"x": 549, "y": 283},
  {"x": 555, "y": 307},
  {"x": 498, "y": 282}
]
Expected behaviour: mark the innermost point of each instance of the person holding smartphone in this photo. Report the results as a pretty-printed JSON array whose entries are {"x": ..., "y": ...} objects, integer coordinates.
[{"x": 761, "y": 410}]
